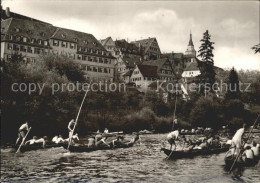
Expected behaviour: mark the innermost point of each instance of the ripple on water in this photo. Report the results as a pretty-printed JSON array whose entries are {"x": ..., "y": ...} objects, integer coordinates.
[{"x": 141, "y": 163}]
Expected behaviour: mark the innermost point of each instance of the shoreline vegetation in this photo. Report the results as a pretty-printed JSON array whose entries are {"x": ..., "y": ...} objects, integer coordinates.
[{"x": 129, "y": 111}]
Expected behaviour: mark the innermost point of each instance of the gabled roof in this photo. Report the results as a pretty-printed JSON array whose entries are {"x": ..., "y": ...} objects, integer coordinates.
[
  {"x": 27, "y": 28},
  {"x": 146, "y": 43},
  {"x": 128, "y": 73},
  {"x": 131, "y": 61},
  {"x": 105, "y": 41},
  {"x": 124, "y": 46},
  {"x": 159, "y": 62},
  {"x": 148, "y": 70},
  {"x": 17, "y": 16},
  {"x": 84, "y": 40},
  {"x": 197, "y": 65}
]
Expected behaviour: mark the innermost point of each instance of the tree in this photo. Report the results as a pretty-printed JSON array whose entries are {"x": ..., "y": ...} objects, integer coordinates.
[
  {"x": 256, "y": 48},
  {"x": 206, "y": 54},
  {"x": 233, "y": 90}
]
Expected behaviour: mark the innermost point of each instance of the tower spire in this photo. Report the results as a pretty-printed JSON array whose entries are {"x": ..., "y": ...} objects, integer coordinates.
[{"x": 190, "y": 42}]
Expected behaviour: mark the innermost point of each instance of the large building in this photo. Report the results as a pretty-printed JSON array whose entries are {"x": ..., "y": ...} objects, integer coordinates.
[
  {"x": 127, "y": 56},
  {"x": 33, "y": 38},
  {"x": 150, "y": 47}
]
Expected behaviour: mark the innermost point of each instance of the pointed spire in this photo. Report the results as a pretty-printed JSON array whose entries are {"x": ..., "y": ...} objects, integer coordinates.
[{"x": 190, "y": 42}]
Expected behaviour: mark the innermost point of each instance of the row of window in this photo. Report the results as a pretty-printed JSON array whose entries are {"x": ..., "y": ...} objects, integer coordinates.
[
  {"x": 27, "y": 40},
  {"x": 136, "y": 72},
  {"x": 25, "y": 59},
  {"x": 154, "y": 49},
  {"x": 94, "y": 59},
  {"x": 166, "y": 72},
  {"x": 145, "y": 78},
  {"x": 22, "y": 48},
  {"x": 95, "y": 69}
]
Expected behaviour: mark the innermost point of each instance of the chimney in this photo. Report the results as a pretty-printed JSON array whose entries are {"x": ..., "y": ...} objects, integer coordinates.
[{"x": 7, "y": 12}]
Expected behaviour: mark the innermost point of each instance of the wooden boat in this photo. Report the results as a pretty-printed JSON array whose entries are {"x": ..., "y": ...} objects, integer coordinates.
[
  {"x": 229, "y": 162},
  {"x": 84, "y": 148},
  {"x": 193, "y": 153},
  {"x": 34, "y": 147}
]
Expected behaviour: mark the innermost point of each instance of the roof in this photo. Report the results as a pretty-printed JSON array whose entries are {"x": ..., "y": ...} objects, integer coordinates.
[
  {"x": 159, "y": 62},
  {"x": 131, "y": 61},
  {"x": 4, "y": 16},
  {"x": 27, "y": 28},
  {"x": 173, "y": 55},
  {"x": 146, "y": 43},
  {"x": 128, "y": 73},
  {"x": 126, "y": 47},
  {"x": 197, "y": 65},
  {"x": 148, "y": 70}
]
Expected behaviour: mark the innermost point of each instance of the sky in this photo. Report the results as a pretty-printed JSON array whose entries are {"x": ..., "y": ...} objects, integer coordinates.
[{"x": 233, "y": 25}]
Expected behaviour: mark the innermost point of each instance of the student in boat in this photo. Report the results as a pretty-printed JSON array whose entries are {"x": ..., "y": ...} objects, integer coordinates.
[
  {"x": 135, "y": 139},
  {"x": 118, "y": 141},
  {"x": 106, "y": 131},
  {"x": 59, "y": 140},
  {"x": 42, "y": 140},
  {"x": 248, "y": 155},
  {"x": 256, "y": 149},
  {"x": 172, "y": 137},
  {"x": 91, "y": 142},
  {"x": 73, "y": 138},
  {"x": 54, "y": 138},
  {"x": 22, "y": 131},
  {"x": 98, "y": 137},
  {"x": 102, "y": 142},
  {"x": 71, "y": 127},
  {"x": 32, "y": 141},
  {"x": 237, "y": 139},
  {"x": 248, "y": 143}
]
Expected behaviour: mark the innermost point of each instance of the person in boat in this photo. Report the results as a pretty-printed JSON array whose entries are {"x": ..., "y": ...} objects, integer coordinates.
[
  {"x": 42, "y": 140},
  {"x": 203, "y": 145},
  {"x": 106, "y": 131},
  {"x": 32, "y": 141},
  {"x": 187, "y": 147},
  {"x": 237, "y": 139},
  {"x": 172, "y": 137},
  {"x": 102, "y": 142},
  {"x": 135, "y": 139},
  {"x": 248, "y": 155},
  {"x": 59, "y": 140},
  {"x": 91, "y": 142},
  {"x": 248, "y": 143},
  {"x": 54, "y": 138},
  {"x": 73, "y": 138},
  {"x": 117, "y": 142},
  {"x": 231, "y": 152},
  {"x": 71, "y": 127},
  {"x": 22, "y": 131},
  {"x": 256, "y": 149}
]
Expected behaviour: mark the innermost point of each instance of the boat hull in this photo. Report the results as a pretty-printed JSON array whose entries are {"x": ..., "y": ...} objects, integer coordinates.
[
  {"x": 84, "y": 148},
  {"x": 190, "y": 154},
  {"x": 35, "y": 147}
]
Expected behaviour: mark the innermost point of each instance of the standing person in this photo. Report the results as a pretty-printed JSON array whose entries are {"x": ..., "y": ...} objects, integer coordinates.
[
  {"x": 22, "y": 131},
  {"x": 175, "y": 124},
  {"x": 237, "y": 139},
  {"x": 106, "y": 130},
  {"x": 70, "y": 127},
  {"x": 171, "y": 137}
]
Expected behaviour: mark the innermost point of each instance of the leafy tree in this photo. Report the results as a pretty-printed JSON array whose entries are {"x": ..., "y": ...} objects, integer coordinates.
[
  {"x": 233, "y": 91},
  {"x": 206, "y": 54},
  {"x": 256, "y": 48}
]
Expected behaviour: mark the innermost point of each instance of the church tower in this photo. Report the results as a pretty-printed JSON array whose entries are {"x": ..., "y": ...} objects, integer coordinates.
[{"x": 190, "y": 50}]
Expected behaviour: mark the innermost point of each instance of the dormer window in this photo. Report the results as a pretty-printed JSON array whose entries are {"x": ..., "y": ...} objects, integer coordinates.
[
  {"x": 32, "y": 40},
  {"x": 72, "y": 45},
  {"x": 25, "y": 39},
  {"x": 42, "y": 34},
  {"x": 75, "y": 39},
  {"x": 63, "y": 35},
  {"x": 80, "y": 49},
  {"x": 85, "y": 42},
  {"x": 94, "y": 43}
]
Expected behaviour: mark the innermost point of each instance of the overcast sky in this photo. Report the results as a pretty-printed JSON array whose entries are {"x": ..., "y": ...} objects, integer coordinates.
[{"x": 234, "y": 26}]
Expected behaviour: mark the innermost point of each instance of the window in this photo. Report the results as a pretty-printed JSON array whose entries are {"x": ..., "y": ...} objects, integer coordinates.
[
  {"x": 95, "y": 69},
  {"x": 45, "y": 43},
  {"x": 72, "y": 45},
  {"x": 16, "y": 47},
  {"x": 32, "y": 40},
  {"x": 79, "y": 57},
  {"x": 75, "y": 39},
  {"x": 37, "y": 50},
  {"x": 84, "y": 57},
  {"x": 89, "y": 68},
  {"x": 9, "y": 46},
  {"x": 11, "y": 37},
  {"x": 18, "y": 38},
  {"x": 85, "y": 42},
  {"x": 63, "y": 35},
  {"x": 105, "y": 70},
  {"x": 40, "y": 41},
  {"x": 25, "y": 39},
  {"x": 42, "y": 34},
  {"x": 64, "y": 44},
  {"x": 105, "y": 61},
  {"x": 55, "y": 43},
  {"x": 29, "y": 49},
  {"x": 90, "y": 59},
  {"x": 101, "y": 60},
  {"x": 99, "y": 69},
  {"x": 95, "y": 59},
  {"x": 79, "y": 49}
]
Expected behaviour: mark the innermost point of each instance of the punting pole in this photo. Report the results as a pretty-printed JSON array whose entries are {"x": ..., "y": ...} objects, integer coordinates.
[
  {"x": 70, "y": 137},
  {"x": 247, "y": 139},
  {"x": 18, "y": 150}
]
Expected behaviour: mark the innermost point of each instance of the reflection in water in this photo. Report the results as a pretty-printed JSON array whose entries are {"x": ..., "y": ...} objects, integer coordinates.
[{"x": 143, "y": 163}]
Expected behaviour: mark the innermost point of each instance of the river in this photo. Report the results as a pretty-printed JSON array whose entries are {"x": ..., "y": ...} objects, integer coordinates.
[{"x": 141, "y": 163}]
